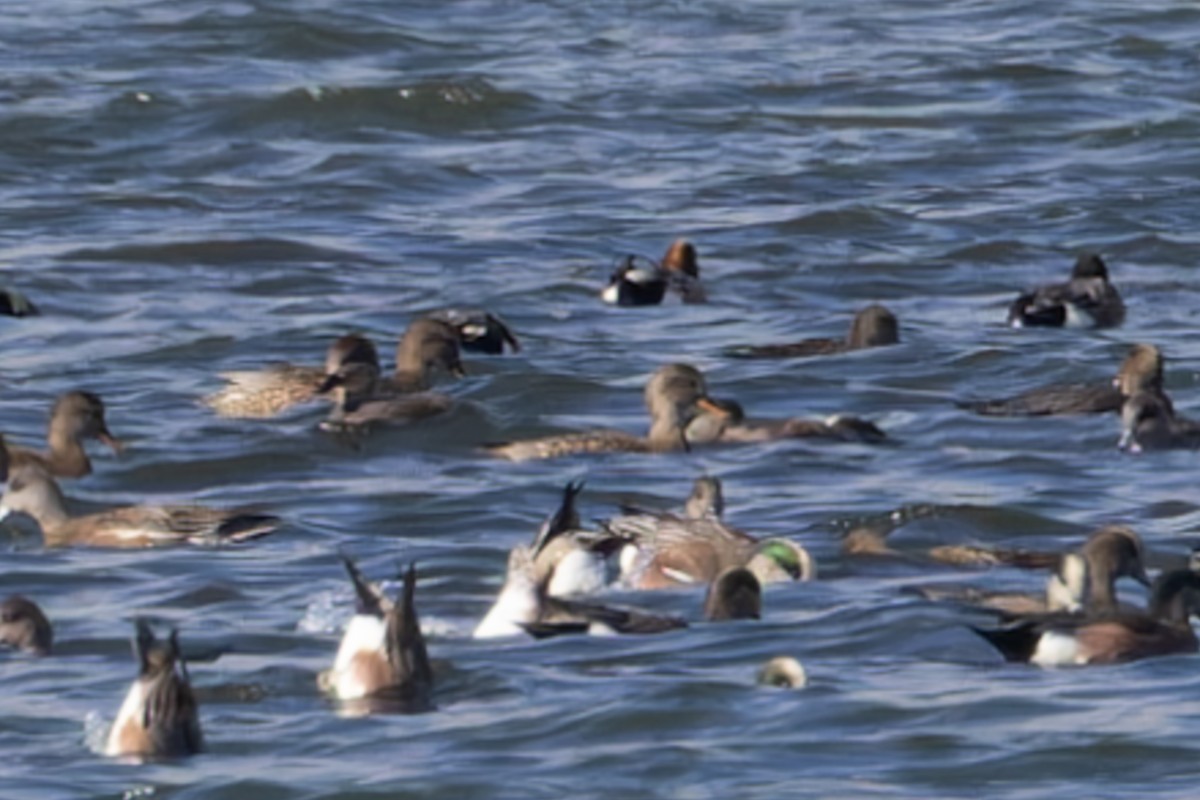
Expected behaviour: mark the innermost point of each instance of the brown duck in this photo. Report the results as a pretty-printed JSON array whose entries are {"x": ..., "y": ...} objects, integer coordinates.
[
  {"x": 873, "y": 326},
  {"x": 75, "y": 417}
]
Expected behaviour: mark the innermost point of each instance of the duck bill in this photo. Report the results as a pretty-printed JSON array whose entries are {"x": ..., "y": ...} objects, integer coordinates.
[
  {"x": 330, "y": 383},
  {"x": 707, "y": 405},
  {"x": 111, "y": 442}
]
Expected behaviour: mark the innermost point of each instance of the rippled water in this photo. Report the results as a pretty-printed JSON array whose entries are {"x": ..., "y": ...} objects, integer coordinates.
[{"x": 193, "y": 187}]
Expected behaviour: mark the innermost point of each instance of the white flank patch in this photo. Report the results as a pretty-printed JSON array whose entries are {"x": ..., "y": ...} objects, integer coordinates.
[
  {"x": 365, "y": 633},
  {"x": 1056, "y": 650},
  {"x": 578, "y": 572},
  {"x": 610, "y": 294},
  {"x": 517, "y": 603},
  {"x": 131, "y": 709}
]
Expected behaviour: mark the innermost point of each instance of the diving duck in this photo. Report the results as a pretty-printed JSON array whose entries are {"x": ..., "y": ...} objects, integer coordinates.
[
  {"x": 159, "y": 717},
  {"x": 382, "y": 657},
  {"x": 640, "y": 281},
  {"x": 1087, "y": 300}
]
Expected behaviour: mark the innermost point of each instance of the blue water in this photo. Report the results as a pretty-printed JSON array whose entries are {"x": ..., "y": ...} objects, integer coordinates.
[{"x": 194, "y": 187}]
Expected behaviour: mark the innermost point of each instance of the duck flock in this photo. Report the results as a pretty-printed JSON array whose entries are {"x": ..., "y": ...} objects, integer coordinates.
[{"x": 382, "y": 664}]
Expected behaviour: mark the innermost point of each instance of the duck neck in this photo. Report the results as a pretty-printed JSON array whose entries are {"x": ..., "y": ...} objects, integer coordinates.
[
  {"x": 67, "y": 458},
  {"x": 1102, "y": 593},
  {"x": 666, "y": 435}
]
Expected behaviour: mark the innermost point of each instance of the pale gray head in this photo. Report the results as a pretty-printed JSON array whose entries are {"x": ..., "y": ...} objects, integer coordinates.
[{"x": 784, "y": 672}]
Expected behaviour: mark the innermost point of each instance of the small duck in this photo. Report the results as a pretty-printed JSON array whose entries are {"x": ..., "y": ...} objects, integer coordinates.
[
  {"x": 35, "y": 494},
  {"x": 1087, "y": 300},
  {"x": 1142, "y": 370},
  {"x": 478, "y": 330},
  {"x": 428, "y": 345},
  {"x": 783, "y": 672},
  {"x": 671, "y": 395},
  {"x": 382, "y": 656},
  {"x": 724, "y": 422},
  {"x": 15, "y": 304},
  {"x": 75, "y": 416},
  {"x": 1112, "y": 637},
  {"x": 1082, "y": 581},
  {"x": 23, "y": 626},
  {"x": 525, "y": 606},
  {"x": 361, "y": 400},
  {"x": 643, "y": 282},
  {"x": 873, "y": 326},
  {"x": 1149, "y": 422},
  {"x": 159, "y": 718},
  {"x": 734, "y": 594},
  {"x": 664, "y": 550}
]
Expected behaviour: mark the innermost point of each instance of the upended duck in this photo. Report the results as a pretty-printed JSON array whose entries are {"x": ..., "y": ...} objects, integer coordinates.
[
  {"x": 1111, "y": 637},
  {"x": 1142, "y": 370},
  {"x": 159, "y": 717},
  {"x": 427, "y": 346},
  {"x": 640, "y": 281},
  {"x": 683, "y": 415},
  {"x": 75, "y": 417},
  {"x": 15, "y": 304},
  {"x": 382, "y": 657},
  {"x": 1087, "y": 300},
  {"x": 35, "y": 494},
  {"x": 873, "y": 326},
  {"x": 1149, "y": 422}
]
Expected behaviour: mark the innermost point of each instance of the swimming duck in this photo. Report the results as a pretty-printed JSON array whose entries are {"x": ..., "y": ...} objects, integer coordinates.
[
  {"x": 733, "y": 594},
  {"x": 873, "y": 326},
  {"x": 1082, "y": 581},
  {"x": 426, "y": 346},
  {"x": 382, "y": 655},
  {"x": 35, "y": 494},
  {"x": 724, "y": 421},
  {"x": 1142, "y": 370},
  {"x": 664, "y": 550},
  {"x": 641, "y": 282},
  {"x": 24, "y": 626},
  {"x": 525, "y": 606},
  {"x": 1087, "y": 300},
  {"x": 479, "y": 330},
  {"x": 361, "y": 399},
  {"x": 76, "y": 416},
  {"x": 1149, "y": 422},
  {"x": 671, "y": 395},
  {"x": 159, "y": 717},
  {"x": 15, "y": 304},
  {"x": 1111, "y": 637}
]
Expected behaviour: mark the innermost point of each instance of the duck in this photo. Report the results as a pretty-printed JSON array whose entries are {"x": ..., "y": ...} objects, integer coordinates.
[
  {"x": 23, "y": 626},
  {"x": 724, "y": 422},
  {"x": 873, "y": 326},
  {"x": 783, "y": 672},
  {"x": 567, "y": 558},
  {"x": 35, "y": 494},
  {"x": 1087, "y": 300},
  {"x": 1142, "y": 370},
  {"x": 734, "y": 594},
  {"x": 479, "y": 331},
  {"x": 429, "y": 345},
  {"x": 1110, "y": 637},
  {"x": 75, "y": 417},
  {"x": 1149, "y": 422},
  {"x": 524, "y": 606},
  {"x": 159, "y": 717},
  {"x": 671, "y": 397},
  {"x": 382, "y": 656},
  {"x": 15, "y": 304},
  {"x": 640, "y": 281},
  {"x": 664, "y": 550},
  {"x": 361, "y": 399},
  {"x": 1082, "y": 581}
]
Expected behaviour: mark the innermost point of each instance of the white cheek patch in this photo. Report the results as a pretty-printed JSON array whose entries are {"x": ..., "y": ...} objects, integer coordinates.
[
  {"x": 611, "y": 294},
  {"x": 1057, "y": 650}
]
